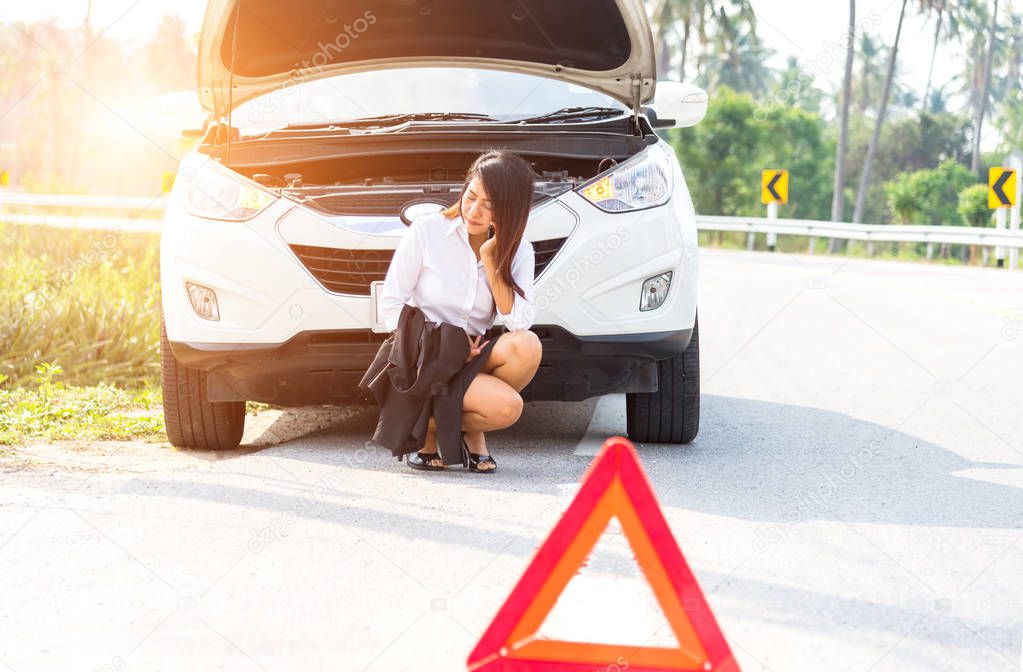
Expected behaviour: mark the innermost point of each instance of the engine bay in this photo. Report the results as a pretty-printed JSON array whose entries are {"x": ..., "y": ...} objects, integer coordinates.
[{"x": 381, "y": 185}]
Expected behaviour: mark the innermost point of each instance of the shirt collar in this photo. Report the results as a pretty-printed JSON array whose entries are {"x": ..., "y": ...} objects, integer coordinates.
[{"x": 455, "y": 223}]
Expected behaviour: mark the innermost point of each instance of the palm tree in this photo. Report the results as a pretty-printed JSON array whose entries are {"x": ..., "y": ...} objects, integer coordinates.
[
  {"x": 738, "y": 57},
  {"x": 667, "y": 15},
  {"x": 838, "y": 196},
  {"x": 871, "y": 76},
  {"x": 861, "y": 195},
  {"x": 982, "y": 106},
  {"x": 792, "y": 86},
  {"x": 706, "y": 17},
  {"x": 664, "y": 20},
  {"x": 1014, "y": 56},
  {"x": 949, "y": 16},
  {"x": 937, "y": 101},
  {"x": 1008, "y": 91}
]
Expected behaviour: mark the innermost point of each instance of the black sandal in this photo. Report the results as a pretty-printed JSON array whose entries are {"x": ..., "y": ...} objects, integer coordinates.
[
  {"x": 421, "y": 460},
  {"x": 472, "y": 460}
]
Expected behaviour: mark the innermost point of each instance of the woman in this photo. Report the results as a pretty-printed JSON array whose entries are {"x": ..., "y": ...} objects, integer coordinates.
[{"x": 462, "y": 266}]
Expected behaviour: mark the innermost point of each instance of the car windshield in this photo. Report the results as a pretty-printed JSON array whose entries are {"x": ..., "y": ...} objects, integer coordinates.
[{"x": 461, "y": 93}]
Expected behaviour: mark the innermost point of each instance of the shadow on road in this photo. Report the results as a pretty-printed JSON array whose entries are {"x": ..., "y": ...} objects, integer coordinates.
[{"x": 753, "y": 460}]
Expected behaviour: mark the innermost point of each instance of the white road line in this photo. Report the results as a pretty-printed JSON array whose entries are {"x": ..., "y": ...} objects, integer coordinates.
[{"x": 608, "y": 420}]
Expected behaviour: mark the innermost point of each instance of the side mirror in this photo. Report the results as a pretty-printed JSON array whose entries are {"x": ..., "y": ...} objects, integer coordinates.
[{"x": 677, "y": 105}]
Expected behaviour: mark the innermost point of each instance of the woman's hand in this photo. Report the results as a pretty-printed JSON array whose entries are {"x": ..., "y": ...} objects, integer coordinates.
[
  {"x": 474, "y": 349},
  {"x": 487, "y": 249}
]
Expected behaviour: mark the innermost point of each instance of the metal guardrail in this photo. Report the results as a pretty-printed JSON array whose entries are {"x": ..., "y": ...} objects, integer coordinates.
[
  {"x": 144, "y": 213},
  {"x": 876, "y": 233},
  {"x": 81, "y": 201}
]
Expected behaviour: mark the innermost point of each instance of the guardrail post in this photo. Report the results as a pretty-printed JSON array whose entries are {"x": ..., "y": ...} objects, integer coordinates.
[
  {"x": 750, "y": 237},
  {"x": 1000, "y": 225},
  {"x": 772, "y": 216},
  {"x": 1016, "y": 161}
]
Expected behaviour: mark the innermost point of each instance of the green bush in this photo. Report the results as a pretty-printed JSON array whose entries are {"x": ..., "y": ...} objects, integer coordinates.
[
  {"x": 929, "y": 196},
  {"x": 973, "y": 206}
]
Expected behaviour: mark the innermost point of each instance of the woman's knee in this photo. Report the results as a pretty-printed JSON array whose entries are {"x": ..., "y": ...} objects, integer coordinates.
[
  {"x": 526, "y": 346},
  {"x": 508, "y": 410}
]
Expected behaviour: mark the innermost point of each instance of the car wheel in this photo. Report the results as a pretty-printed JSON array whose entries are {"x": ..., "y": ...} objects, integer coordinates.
[
  {"x": 191, "y": 420},
  {"x": 672, "y": 413}
]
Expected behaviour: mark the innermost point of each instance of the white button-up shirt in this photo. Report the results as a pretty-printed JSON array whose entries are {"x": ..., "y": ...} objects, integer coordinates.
[{"x": 435, "y": 269}]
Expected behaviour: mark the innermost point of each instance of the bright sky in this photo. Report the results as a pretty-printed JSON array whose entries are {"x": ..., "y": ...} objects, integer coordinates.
[{"x": 810, "y": 31}]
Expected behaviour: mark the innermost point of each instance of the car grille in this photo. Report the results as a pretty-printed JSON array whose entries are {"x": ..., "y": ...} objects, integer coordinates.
[
  {"x": 387, "y": 202},
  {"x": 345, "y": 271},
  {"x": 352, "y": 271}
]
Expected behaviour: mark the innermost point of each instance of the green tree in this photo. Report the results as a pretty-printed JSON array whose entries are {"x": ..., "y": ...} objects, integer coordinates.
[
  {"x": 861, "y": 193},
  {"x": 717, "y": 155},
  {"x": 702, "y": 17},
  {"x": 725, "y": 153},
  {"x": 845, "y": 101},
  {"x": 795, "y": 87},
  {"x": 929, "y": 196},
  {"x": 973, "y": 206},
  {"x": 985, "y": 89},
  {"x": 1010, "y": 122},
  {"x": 907, "y": 144},
  {"x": 904, "y": 197},
  {"x": 1009, "y": 91},
  {"x": 168, "y": 58},
  {"x": 948, "y": 16},
  {"x": 737, "y": 59},
  {"x": 868, "y": 78}
]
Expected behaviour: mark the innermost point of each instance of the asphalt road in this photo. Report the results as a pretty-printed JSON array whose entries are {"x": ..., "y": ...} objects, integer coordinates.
[{"x": 853, "y": 502}]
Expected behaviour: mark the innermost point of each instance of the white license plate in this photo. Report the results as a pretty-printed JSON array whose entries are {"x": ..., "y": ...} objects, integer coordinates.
[{"x": 376, "y": 288}]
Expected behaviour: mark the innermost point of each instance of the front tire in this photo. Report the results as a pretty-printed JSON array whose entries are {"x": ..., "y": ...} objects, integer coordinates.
[
  {"x": 191, "y": 420},
  {"x": 672, "y": 413}
]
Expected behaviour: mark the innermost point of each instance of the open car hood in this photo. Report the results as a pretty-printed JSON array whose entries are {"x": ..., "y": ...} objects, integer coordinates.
[{"x": 605, "y": 45}]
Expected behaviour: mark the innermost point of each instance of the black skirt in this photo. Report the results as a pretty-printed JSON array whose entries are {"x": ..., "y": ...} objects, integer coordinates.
[{"x": 419, "y": 371}]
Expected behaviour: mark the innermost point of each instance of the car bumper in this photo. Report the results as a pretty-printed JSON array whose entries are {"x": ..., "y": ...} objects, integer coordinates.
[{"x": 325, "y": 367}]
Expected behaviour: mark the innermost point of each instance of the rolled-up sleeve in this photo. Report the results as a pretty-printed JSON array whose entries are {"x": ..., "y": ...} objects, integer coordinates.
[
  {"x": 523, "y": 311},
  {"x": 402, "y": 276}
]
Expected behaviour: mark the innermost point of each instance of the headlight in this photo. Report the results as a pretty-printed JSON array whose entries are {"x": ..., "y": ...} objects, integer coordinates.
[
  {"x": 641, "y": 182},
  {"x": 215, "y": 193}
]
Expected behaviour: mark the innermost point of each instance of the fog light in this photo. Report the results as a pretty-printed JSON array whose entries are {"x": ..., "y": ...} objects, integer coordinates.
[
  {"x": 655, "y": 291},
  {"x": 204, "y": 301}
]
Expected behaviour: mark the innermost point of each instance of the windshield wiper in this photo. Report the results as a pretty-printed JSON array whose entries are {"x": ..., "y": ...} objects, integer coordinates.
[
  {"x": 414, "y": 116},
  {"x": 388, "y": 119},
  {"x": 571, "y": 113}
]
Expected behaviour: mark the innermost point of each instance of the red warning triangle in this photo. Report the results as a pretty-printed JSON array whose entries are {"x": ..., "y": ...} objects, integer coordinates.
[{"x": 614, "y": 485}]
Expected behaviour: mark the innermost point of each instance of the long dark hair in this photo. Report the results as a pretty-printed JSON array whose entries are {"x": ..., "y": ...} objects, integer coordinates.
[{"x": 509, "y": 181}]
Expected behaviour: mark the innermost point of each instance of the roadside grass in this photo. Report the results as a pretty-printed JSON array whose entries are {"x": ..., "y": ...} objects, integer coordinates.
[
  {"x": 80, "y": 336},
  {"x": 50, "y": 410},
  {"x": 87, "y": 300}
]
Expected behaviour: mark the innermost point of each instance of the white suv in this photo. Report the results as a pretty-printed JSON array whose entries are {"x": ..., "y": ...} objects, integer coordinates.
[{"x": 329, "y": 131}]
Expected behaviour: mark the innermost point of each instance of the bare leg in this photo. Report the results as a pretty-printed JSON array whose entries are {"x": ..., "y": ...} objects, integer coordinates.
[
  {"x": 509, "y": 367},
  {"x": 430, "y": 445},
  {"x": 515, "y": 358}
]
